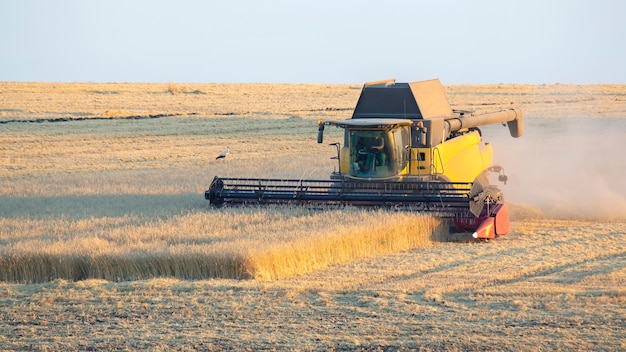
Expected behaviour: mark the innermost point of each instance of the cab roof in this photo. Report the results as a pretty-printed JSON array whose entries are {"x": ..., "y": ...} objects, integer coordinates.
[{"x": 388, "y": 99}]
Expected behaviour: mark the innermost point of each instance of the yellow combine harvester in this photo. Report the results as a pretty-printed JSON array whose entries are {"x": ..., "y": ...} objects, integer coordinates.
[{"x": 403, "y": 147}]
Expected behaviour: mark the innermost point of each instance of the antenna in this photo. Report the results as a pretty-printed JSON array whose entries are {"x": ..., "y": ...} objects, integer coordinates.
[{"x": 404, "y": 102}]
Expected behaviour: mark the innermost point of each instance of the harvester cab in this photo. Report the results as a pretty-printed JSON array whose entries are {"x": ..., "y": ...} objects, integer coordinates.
[
  {"x": 422, "y": 137},
  {"x": 404, "y": 146},
  {"x": 373, "y": 149}
]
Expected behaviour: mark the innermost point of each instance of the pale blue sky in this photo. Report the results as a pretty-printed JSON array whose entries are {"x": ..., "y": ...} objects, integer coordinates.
[{"x": 321, "y": 41}]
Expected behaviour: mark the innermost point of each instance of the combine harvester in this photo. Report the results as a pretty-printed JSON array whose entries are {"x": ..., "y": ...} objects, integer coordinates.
[{"x": 403, "y": 147}]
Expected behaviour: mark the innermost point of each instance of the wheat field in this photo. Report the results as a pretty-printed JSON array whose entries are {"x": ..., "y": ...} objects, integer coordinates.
[{"x": 107, "y": 243}]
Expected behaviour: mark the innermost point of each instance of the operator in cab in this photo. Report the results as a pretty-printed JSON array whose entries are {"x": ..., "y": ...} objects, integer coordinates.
[{"x": 375, "y": 155}]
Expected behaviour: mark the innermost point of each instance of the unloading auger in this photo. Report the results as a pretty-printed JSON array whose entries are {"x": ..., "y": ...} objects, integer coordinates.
[{"x": 404, "y": 147}]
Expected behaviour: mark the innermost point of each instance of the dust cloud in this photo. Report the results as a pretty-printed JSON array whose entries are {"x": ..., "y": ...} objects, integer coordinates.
[{"x": 565, "y": 168}]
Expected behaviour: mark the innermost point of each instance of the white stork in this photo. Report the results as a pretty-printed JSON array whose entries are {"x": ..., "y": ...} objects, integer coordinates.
[{"x": 223, "y": 155}]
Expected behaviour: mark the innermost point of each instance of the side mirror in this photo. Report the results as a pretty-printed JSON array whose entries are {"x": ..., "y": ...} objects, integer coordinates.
[{"x": 320, "y": 132}]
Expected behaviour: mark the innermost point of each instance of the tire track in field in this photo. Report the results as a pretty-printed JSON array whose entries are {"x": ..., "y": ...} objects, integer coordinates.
[
  {"x": 577, "y": 275},
  {"x": 499, "y": 266},
  {"x": 450, "y": 266},
  {"x": 584, "y": 276}
]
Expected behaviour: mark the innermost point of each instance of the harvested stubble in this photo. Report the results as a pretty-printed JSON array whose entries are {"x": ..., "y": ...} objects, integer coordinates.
[{"x": 261, "y": 244}]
